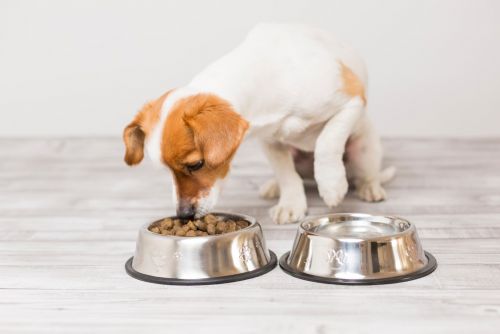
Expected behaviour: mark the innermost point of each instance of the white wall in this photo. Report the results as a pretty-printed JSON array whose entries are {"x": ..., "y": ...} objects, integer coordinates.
[{"x": 78, "y": 68}]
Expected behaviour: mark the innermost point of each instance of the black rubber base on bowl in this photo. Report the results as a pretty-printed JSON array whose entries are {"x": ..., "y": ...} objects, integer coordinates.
[
  {"x": 429, "y": 268},
  {"x": 202, "y": 281}
]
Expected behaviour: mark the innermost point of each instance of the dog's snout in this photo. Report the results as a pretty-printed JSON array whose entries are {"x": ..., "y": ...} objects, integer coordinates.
[{"x": 186, "y": 210}]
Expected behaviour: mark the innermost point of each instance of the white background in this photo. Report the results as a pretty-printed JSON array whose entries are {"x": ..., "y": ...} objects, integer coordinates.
[{"x": 83, "y": 68}]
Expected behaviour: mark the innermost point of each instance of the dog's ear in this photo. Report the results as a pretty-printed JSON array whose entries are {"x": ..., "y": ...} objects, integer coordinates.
[
  {"x": 133, "y": 137},
  {"x": 217, "y": 129},
  {"x": 141, "y": 126},
  {"x": 135, "y": 134}
]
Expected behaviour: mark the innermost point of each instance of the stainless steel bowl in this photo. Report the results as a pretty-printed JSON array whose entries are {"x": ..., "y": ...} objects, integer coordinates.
[
  {"x": 353, "y": 248},
  {"x": 209, "y": 259}
]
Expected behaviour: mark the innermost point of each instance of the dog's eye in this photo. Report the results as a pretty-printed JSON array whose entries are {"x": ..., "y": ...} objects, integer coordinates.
[{"x": 195, "y": 166}]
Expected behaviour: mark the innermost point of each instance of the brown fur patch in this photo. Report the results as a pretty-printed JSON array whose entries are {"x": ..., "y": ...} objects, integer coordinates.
[
  {"x": 351, "y": 84},
  {"x": 206, "y": 127},
  {"x": 140, "y": 127}
]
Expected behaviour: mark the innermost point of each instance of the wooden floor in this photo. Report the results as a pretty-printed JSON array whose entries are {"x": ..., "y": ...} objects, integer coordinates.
[{"x": 70, "y": 211}]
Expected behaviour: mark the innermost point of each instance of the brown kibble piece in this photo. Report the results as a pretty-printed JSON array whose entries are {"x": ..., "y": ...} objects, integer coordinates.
[
  {"x": 191, "y": 225},
  {"x": 155, "y": 229},
  {"x": 221, "y": 227},
  {"x": 191, "y": 233},
  {"x": 211, "y": 229},
  {"x": 166, "y": 223},
  {"x": 201, "y": 225},
  {"x": 231, "y": 226},
  {"x": 210, "y": 219},
  {"x": 180, "y": 233}
]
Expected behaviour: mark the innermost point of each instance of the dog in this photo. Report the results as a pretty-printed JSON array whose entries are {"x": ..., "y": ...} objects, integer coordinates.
[{"x": 301, "y": 92}]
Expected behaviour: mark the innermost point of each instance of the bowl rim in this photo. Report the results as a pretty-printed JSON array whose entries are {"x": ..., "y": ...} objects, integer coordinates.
[
  {"x": 310, "y": 219},
  {"x": 252, "y": 220}
]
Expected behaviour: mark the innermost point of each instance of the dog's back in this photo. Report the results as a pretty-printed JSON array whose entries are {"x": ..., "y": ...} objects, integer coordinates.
[
  {"x": 300, "y": 42},
  {"x": 283, "y": 69}
]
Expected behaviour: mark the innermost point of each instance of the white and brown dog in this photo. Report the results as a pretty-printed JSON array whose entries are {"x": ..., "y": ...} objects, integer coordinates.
[{"x": 291, "y": 86}]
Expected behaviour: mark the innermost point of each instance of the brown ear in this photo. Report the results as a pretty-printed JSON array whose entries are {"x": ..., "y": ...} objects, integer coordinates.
[
  {"x": 218, "y": 130},
  {"x": 142, "y": 125},
  {"x": 133, "y": 137}
]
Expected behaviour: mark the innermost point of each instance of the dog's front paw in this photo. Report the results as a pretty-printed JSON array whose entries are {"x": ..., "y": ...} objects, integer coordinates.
[
  {"x": 333, "y": 193},
  {"x": 270, "y": 189},
  {"x": 286, "y": 213},
  {"x": 371, "y": 192}
]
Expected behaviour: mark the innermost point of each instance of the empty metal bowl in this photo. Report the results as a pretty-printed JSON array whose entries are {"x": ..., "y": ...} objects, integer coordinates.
[
  {"x": 197, "y": 260},
  {"x": 349, "y": 248}
]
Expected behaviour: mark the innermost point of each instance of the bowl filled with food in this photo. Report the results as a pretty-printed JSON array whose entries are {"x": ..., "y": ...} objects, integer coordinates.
[
  {"x": 217, "y": 248},
  {"x": 357, "y": 249}
]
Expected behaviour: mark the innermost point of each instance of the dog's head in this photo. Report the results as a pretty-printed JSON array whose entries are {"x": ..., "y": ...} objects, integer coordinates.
[{"x": 197, "y": 142}]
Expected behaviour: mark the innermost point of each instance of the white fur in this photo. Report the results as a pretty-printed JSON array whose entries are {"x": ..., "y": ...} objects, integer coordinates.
[
  {"x": 286, "y": 81},
  {"x": 207, "y": 202}
]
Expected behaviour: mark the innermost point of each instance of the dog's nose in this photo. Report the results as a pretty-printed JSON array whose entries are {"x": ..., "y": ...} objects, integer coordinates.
[{"x": 185, "y": 210}]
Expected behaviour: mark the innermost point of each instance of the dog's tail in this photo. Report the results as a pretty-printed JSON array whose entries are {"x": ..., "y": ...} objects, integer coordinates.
[{"x": 387, "y": 174}]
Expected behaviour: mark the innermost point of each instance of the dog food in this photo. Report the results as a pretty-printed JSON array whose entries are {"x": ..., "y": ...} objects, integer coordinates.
[{"x": 208, "y": 225}]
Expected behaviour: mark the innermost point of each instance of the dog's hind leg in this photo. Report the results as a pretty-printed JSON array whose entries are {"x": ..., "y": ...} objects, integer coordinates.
[
  {"x": 329, "y": 170},
  {"x": 364, "y": 160}
]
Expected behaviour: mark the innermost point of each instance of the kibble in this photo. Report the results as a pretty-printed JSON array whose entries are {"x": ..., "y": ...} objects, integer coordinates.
[
  {"x": 180, "y": 233},
  {"x": 208, "y": 225},
  {"x": 211, "y": 229},
  {"x": 221, "y": 227},
  {"x": 201, "y": 225}
]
